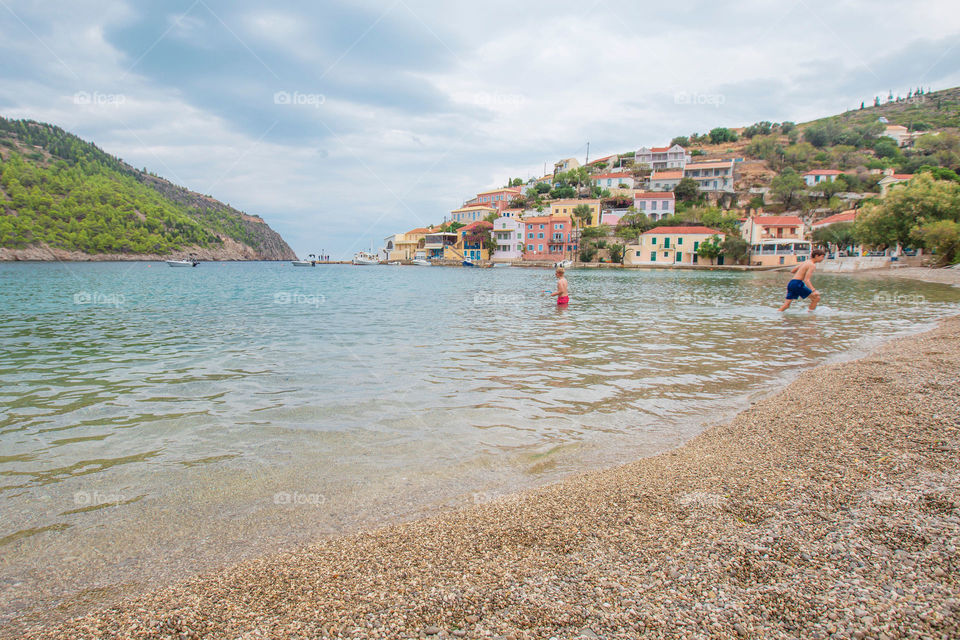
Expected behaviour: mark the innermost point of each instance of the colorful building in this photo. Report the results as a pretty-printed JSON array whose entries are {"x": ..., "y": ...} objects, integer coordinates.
[
  {"x": 508, "y": 231},
  {"x": 665, "y": 180},
  {"x": 497, "y": 198},
  {"x": 656, "y": 205},
  {"x": 816, "y": 176},
  {"x": 551, "y": 238},
  {"x": 469, "y": 244},
  {"x": 890, "y": 178},
  {"x": 660, "y": 158},
  {"x": 775, "y": 240},
  {"x": 613, "y": 180},
  {"x": 671, "y": 245},
  {"x": 404, "y": 246},
  {"x": 713, "y": 176},
  {"x": 566, "y": 207},
  {"x": 435, "y": 244},
  {"x": 471, "y": 213}
]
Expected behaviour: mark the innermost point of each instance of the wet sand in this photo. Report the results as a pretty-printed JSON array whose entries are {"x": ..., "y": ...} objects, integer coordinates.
[{"x": 830, "y": 509}]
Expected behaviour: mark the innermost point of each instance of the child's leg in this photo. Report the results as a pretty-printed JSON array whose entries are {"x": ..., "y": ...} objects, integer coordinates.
[
  {"x": 814, "y": 301},
  {"x": 786, "y": 305}
]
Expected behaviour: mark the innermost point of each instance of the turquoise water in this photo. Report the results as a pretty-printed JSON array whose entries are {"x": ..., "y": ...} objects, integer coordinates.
[{"x": 156, "y": 422}]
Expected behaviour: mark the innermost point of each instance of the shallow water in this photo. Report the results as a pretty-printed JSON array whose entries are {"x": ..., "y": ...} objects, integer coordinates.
[{"x": 157, "y": 422}]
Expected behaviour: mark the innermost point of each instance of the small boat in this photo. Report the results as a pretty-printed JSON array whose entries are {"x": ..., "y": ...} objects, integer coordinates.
[
  {"x": 365, "y": 258},
  {"x": 566, "y": 264},
  {"x": 312, "y": 262},
  {"x": 468, "y": 263},
  {"x": 420, "y": 262},
  {"x": 182, "y": 263},
  {"x": 395, "y": 263},
  {"x": 502, "y": 264}
]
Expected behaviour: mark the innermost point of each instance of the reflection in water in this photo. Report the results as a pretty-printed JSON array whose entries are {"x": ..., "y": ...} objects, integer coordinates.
[{"x": 211, "y": 417}]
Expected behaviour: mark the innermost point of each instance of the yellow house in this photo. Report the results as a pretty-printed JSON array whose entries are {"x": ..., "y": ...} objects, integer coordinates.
[
  {"x": 566, "y": 207},
  {"x": 671, "y": 245},
  {"x": 404, "y": 246},
  {"x": 464, "y": 249}
]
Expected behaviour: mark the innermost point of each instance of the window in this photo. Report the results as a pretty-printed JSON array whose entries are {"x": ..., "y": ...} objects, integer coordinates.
[
  {"x": 643, "y": 205},
  {"x": 653, "y": 240},
  {"x": 653, "y": 256},
  {"x": 542, "y": 226},
  {"x": 696, "y": 245},
  {"x": 539, "y": 247},
  {"x": 530, "y": 236},
  {"x": 653, "y": 205},
  {"x": 609, "y": 182},
  {"x": 529, "y": 247},
  {"x": 679, "y": 241},
  {"x": 638, "y": 254},
  {"x": 540, "y": 236},
  {"x": 666, "y": 242},
  {"x": 666, "y": 254},
  {"x": 665, "y": 204}
]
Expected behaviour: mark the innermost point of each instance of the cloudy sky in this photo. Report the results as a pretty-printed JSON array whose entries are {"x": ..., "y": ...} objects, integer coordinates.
[{"x": 343, "y": 122}]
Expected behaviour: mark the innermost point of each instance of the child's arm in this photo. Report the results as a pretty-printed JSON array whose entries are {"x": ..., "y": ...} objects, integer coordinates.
[
  {"x": 795, "y": 269},
  {"x": 808, "y": 272}
]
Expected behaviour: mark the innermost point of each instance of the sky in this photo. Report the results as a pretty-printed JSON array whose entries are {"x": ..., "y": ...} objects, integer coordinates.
[{"x": 341, "y": 123}]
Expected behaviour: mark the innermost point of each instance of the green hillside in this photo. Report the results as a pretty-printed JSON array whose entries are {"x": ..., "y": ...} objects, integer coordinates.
[
  {"x": 60, "y": 192},
  {"x": 934, "y": 110}
]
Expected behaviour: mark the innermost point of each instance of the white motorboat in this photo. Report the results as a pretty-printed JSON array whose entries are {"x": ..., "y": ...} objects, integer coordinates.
[
  {"x": 312, "y": 262},
  {"x": 502, "y": 264},
  {"x": 566, "y": 264},
  {"x": 420, "y": 262},
  {"x": 182, "y": 263},
  {"x": 395, "y": 263},
  {"x": 364, "y": 258}
]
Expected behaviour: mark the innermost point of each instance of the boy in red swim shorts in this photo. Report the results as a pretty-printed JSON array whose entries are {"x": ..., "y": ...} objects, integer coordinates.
[{"x": 563, "y": 297}]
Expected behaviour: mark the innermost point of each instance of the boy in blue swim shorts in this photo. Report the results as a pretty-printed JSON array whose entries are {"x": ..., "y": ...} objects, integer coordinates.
[{"x": 800, "y": 286}]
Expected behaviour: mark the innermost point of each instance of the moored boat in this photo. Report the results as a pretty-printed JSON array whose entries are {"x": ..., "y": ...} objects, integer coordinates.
[
  {"x": 364, "y": 258},
  {"x": 420, "y": 262},
  {"x": 182, "y": 263}
]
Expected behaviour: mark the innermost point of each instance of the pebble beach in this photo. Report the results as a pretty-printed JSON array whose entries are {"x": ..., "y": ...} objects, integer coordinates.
[{"x": 830, "y": 509}]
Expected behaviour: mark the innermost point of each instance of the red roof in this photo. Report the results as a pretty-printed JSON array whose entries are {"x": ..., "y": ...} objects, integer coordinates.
[
  {"x": 543, "y": 219},
  {"x": 667, "y": 175},
  {"x": 690, "y": 229},
  {"x": 478, "y": 223},
  {"x": 777, "y": 221},
  {"x": 614, "y": 175},
  {"x": 603, "y": 159},
  {"x": 846, "y": 216},
  {"x": 654, "y": 195},
  {"x": 902, "y": 176},
  {"x": 659, "y": 149},
  {"x": 823, "y": 172}
]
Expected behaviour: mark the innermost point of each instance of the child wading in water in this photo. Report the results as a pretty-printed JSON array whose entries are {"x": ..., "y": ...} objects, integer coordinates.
[
  {"x": 800, "y": 286},
  {"x": 563, "y": 297}
]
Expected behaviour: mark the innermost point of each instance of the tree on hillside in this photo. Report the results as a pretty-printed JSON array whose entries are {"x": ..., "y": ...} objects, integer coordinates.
[
  {"x": 762, "y": 128},
  {"x": 565, "y": 191},
  {"x": 683, "y": 141},
  {"x": 839, "y": 235},
  {"x": 722, "y": 134},
  {"x": 787, "y": 187},
  {"x": 687, "y": 190},
  {"x": 943, "y": 148},
  {"x": 786, "y": 127},
  {"x": 886, "y": 148},
  {"x": 600, "y": 231},
  {"x": 822, "y": 134},
  {"x": 907, "y": 210}
]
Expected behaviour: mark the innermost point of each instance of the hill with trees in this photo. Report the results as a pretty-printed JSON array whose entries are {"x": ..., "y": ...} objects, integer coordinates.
[{"x": 64, "y": 198}]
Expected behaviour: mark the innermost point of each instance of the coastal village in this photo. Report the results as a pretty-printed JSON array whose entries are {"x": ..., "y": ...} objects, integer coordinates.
[{"x": 752, "y": 197}]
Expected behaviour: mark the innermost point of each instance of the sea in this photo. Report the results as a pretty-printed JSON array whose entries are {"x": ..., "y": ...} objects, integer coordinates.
[{"x": 160, "y": 422}]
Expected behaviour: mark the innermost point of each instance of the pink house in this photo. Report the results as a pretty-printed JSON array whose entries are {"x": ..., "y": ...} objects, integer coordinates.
[
  {"x": 549, "y": 238},
  {"x": 497, "y": 198},
  {"x": 656, "y": 205}
]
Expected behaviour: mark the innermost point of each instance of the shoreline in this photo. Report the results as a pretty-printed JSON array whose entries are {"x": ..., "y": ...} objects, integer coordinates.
[{"x": 737, "y": 542}]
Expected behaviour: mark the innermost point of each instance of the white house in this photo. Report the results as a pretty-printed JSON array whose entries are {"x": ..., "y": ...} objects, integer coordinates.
[
  {"x": 614, "y": 181},
  {"x": 898, "y": 133},
  {"x": 508, "y": 232},
  {"x": 817, "y": 176},
  {"x": 665, "y": 180},
  {"x": 655, "y": 205},
  {"x": 658, "y": 158},
  {"x": 890, "y": 178},
  {"x": 714, "y": 176}
]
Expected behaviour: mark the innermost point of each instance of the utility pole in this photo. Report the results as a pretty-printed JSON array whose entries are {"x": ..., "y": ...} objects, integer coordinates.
[{"x": 588, "y": 153}]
